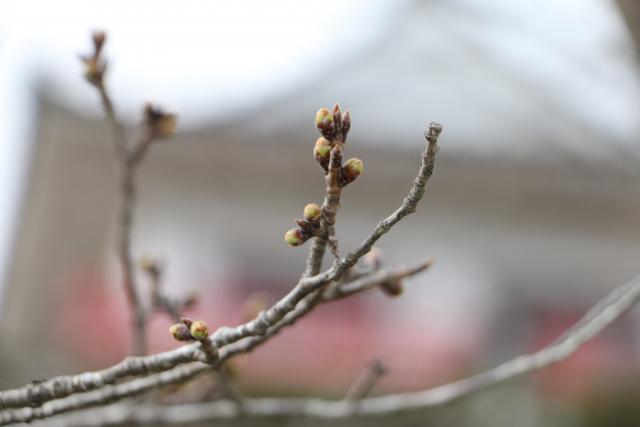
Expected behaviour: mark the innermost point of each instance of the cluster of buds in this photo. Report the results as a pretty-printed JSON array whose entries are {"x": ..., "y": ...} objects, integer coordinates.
[
  {"x": 189, "y": 330},
  {"x": 95, "y": 65},
  {"x": 159, "y": 123},
  {"x": 334, "y": 127},
  {"x": 307, "y": 227}
]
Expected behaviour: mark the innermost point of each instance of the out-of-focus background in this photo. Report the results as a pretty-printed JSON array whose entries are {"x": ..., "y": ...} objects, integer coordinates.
[{"x": 533, "y": 212}]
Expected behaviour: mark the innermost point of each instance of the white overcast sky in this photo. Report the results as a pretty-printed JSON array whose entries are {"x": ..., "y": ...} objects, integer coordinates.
[{"x": 210, "y": 60}]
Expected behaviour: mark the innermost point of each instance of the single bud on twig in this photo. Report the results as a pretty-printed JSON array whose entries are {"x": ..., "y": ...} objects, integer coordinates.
[
  {"x": 94, "y": 65},
  {"x": 325, "y": 123},
  {"x": 94, "y": 69},
  {"x": 180, "y": 332},
  {"x": 98, "y": 37},
  {"x": 322, "y": 152},
  {"x": 312, "y": 212},
  {"x": 351, "y": 170},
  {"x": 150, "y": 266},
  {"x": 294, "y": 237},
  {"x": 159, "y": 123},
  {"x": 392, "y": 288},
  {"x": 337, "y": 116},
  {"x": 199, "y": 330}
]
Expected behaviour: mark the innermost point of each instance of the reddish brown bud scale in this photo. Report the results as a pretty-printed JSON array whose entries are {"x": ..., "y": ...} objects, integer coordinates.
[
  {"x": 180, "y": 332},
  {"x": 337, "y": 117},
  {"x": 99, "y": 37},
  {"x": 346, "y": 123}
]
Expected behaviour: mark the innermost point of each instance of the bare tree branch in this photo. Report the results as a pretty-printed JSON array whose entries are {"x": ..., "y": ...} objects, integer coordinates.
[
  {"x": 618, "y": 302},
  {"x": 253, "y": 332},
  {"x": 60, "y": 387}
]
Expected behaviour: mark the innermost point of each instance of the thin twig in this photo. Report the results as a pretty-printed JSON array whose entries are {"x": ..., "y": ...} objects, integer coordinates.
[
  {"x": 366, "y": 381},
  {"x": 331, "y": 202},
  {"x": 127, "y": 196},
  {"x": 619, "y": 301}
]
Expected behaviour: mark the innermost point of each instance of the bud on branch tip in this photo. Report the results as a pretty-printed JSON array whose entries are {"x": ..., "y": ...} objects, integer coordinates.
[
  {"x": 294, "y": 237},
  {"x": 180, "y": 332},
  {"x": 351, "y": 170},
  {"x": 159, "y": 123},
  {"x": 199, "y": 330},
  {"x": 312, "y": 212}
]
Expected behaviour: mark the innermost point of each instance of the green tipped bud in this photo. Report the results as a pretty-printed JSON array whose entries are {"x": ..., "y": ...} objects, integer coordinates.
[
  {"x": 322, "y": 147},
  {"x": 325, "y": 123},
  {"x": 180, "y": 332},
  {"x": 322, "y": 151},
  {"x": 392, "y": 288},
  {"x": 324, "y": 118},
  {"x": 294, "y": 237},
  {"x": 199, "y": 330},
  {"x": 351, "y": 170},
  {"x": 312, "y": 212}
]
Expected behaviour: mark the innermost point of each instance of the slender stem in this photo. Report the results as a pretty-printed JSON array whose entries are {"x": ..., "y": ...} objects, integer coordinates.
[
  {"x": 125, "y": 223},
  {"x": 127, "y": 195}
]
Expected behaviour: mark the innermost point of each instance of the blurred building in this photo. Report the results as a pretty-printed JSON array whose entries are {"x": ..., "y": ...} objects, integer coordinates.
[{"x": 532, "y": 212}]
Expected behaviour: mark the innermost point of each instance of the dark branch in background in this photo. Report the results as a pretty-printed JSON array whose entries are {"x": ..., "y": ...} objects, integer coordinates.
[
  {"x": 604, "y": 313},
  {"x": 157, "y": 124}
]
